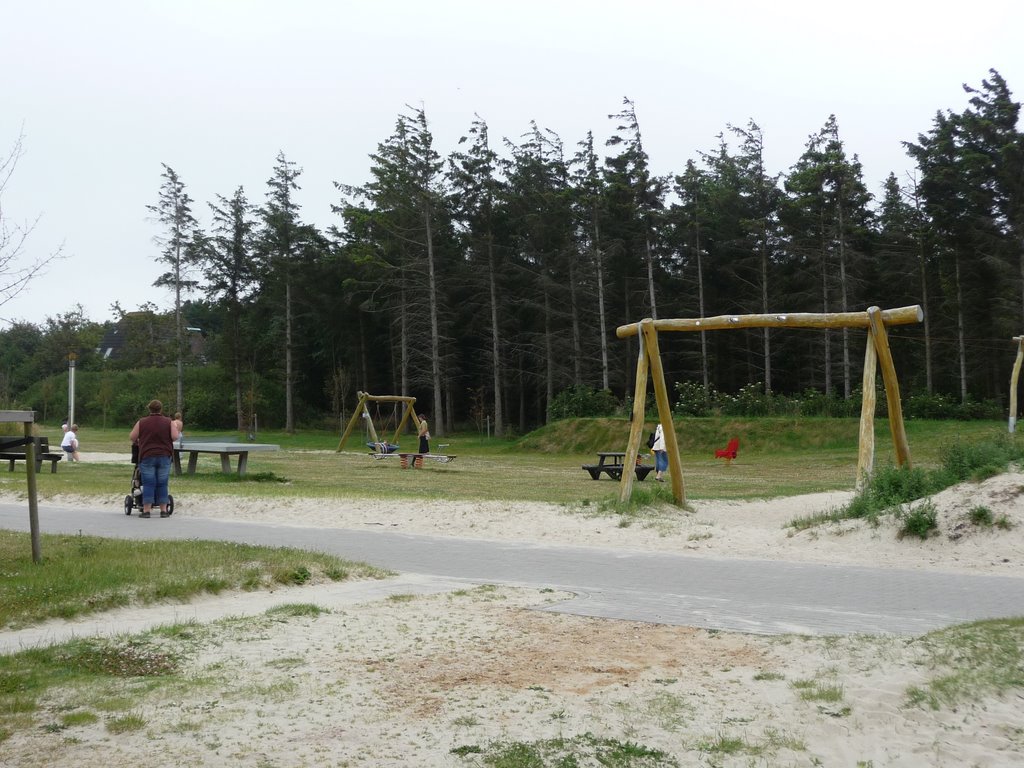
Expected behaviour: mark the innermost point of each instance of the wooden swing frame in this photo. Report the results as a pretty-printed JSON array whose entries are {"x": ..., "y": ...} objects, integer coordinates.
[
  {"x": 1014, "y": 378},
  {"x": 876, "y": 353},
  {"x": 364, "y": 399}
]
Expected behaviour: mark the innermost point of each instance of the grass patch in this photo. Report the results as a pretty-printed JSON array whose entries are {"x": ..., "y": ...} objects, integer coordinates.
[
  {"x": 921, "y": 521},
  {"x": 126, "y": 724},
  {"x": 585, "y": 749},
  {"x": 83, "y": 574},
  {"x": 972, "y": 661},
  {"x": 296, "y": 610},
  {"x": 818, "y": 690}
]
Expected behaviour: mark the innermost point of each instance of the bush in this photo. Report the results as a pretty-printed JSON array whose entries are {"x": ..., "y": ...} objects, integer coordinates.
[
  {"x": 920, "y": 521},
  {"x": 582, "y": 402},
  {"x": 976, "y": 461},
  {"x": 693, "y": 400}
]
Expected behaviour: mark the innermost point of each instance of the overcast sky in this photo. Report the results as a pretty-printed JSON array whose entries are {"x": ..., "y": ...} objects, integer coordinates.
[{"x": 105, "y": 91}]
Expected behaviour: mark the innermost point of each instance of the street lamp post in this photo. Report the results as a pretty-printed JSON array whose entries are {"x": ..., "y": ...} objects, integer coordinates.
[{"x": 71, "y": 388}]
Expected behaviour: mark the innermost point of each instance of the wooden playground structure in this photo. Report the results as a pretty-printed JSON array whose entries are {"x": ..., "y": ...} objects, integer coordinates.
[
  {"x": 363, "y": 411},
  {"x": 876, "y": 354},
  {"x": 1014, "y": 378}
]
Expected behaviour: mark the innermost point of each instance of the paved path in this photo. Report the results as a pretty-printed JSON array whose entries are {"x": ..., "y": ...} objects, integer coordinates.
[{"x": 756, "y": 596}]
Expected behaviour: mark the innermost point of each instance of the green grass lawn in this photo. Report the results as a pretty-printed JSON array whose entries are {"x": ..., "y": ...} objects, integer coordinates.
[{"x": 778, "y": 457}]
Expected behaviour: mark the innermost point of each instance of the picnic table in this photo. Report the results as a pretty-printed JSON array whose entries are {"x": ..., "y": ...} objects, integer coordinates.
[
  {"x": 12, "y": 449},
  {"x": 223, "y": 449},
  {"x": 611, "y": 463}
]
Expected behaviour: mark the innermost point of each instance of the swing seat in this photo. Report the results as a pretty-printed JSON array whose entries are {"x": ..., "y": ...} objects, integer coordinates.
[
  {"x": 729, "y": 452},
  {"x": 382, "y": 447}
]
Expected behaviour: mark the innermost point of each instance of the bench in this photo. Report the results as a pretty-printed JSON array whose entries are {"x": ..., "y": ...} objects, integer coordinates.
[
  {"x": 13, "y": 449},
  {"x": 610, "y": 463},
  {"x": 223, "y": 449}
]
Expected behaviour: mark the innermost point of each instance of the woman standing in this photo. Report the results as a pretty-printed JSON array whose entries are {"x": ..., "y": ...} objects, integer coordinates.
[
  {"x": 660, "y": 455},
  {"x": 424, "y": 433},
  {"x": 155, "y": 435}
]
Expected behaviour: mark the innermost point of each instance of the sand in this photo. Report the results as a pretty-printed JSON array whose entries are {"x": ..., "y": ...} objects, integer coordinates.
[{"x": 415, "y": 672}]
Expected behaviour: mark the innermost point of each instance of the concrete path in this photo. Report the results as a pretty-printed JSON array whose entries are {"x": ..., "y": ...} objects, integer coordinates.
[{"x": 755, "y": 596}]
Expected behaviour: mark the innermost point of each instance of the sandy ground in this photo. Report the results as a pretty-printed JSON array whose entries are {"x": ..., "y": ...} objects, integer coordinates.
[{"x": 405, "y": 673}]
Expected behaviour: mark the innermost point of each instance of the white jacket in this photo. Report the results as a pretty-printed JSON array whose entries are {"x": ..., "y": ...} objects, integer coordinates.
[{"x": 659, "y": 439}]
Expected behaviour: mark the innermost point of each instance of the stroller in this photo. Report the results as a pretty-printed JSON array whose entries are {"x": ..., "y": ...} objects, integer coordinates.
[{"x": 134, "y": 499}]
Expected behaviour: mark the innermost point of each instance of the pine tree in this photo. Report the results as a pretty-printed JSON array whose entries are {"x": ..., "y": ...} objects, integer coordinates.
[
  {"x": 281, "y": 240},
  {"x": 230, "y": 269},
  {"x": 477, "y": 193},
  {"x": 181, "y": 249}
]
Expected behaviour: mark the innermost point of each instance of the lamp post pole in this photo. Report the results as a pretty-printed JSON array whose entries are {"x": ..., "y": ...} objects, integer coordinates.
[{"x": 71, "y": 388}]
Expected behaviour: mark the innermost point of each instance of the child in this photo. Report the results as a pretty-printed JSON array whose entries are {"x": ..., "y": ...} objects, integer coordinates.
[{"x": 70, "y": 443}]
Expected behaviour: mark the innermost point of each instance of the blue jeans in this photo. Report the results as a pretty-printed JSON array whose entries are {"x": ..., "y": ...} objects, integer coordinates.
[
  {"x": 155, "y": 471},
  {"x": 660, "y": 461}
]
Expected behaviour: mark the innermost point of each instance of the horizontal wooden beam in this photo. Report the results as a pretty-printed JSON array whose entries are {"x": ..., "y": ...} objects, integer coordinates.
[
  {"x": 900, "y": 316},
  {"x": 386, "y": 398}
]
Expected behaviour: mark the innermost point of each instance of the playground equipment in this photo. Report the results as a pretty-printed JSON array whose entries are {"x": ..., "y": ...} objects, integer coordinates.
[
  {"x": 877, "y": 352},
  {"x": 1014, "y": 378},
  {"x": 362, "y": 411},
  {"x": 729, "y": 452}
]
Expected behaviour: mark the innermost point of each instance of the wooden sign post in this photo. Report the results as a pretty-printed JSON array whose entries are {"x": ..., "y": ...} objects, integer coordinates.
[{"x": 1014, "y": 378}]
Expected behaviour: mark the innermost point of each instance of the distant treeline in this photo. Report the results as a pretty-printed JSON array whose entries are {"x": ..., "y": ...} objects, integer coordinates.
[{"x": 489, "y": 281}]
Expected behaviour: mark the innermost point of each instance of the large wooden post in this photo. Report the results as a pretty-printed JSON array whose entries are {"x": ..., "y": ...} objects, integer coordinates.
[
  {"x": 675, "y": 464},
  {"x": 33, "y": 501},
  {"x": 636, "y": 425},
  {"x": 1014, "y": 378},
  {"x": 866, "y": 445},
  {"x": 892, "y": 387},
  {"x": 356, "y": 415}
]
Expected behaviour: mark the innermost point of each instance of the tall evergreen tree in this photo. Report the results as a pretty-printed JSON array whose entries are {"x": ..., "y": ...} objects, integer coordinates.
[
  {"x": 590, "y": 211},
  {"x": 230, "y": 269},
  {"x": 477, "y": 193},
  {"x": 281, "y": 240},
  {"x": 639, "y": 192},
  {"x": 180, "y": 243}
]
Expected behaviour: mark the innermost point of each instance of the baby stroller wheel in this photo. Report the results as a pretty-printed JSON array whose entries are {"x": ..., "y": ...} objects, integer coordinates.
[
  {"x": 170, "y": 505},
  {"x": 129, "y": 502}
]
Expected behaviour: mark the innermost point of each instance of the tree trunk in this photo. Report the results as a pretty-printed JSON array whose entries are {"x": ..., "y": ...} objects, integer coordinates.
[
  {"x": 180, "y": 391},
  {"x": 577, "y": 349},
  {"x": 435, "y": 335},
  {"x": 602, "y": 320},
  {"x": 650, "y": 277},
  {"x": 824, "y": 306},
  {"x": 843, "y": 301},
  {"x": 764, "y": 309},
  {"x": 499, "y": 419},
  {"x": 549, "y": 357},
  {"x": 960, "y": 340},
  {"x": 403, "y": 338},
  {"x": 927, "y": 315},
  {"x": 289, "y": 416}
]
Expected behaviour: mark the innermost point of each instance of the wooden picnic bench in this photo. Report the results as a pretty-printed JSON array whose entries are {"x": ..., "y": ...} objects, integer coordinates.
[
  {"x": 223, "y": 449},
  {"x": 610, "y": 463},
  {"x": 12, "y": 449}
]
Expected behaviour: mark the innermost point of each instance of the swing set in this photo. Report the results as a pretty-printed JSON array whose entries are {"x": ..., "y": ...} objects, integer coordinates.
[
  {"x": 876, "y": 354},
  {"x": 363, "y": 411}
]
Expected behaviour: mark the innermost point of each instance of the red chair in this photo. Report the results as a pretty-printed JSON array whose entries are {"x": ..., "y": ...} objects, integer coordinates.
[{"x": 729, "y": 452}]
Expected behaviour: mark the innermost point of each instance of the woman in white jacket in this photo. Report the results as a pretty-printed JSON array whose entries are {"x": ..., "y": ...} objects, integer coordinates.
[{"x": 660, "y": 456}]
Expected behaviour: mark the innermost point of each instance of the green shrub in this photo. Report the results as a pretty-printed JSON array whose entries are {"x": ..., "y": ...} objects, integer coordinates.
[
  {"x": 981, "y": 515},
  {"x": 920, "y": 521},
  {"x": 582, "y": 402},
  {"x": 981, "y": 459},
  {"x": 693, "y": 400}
]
